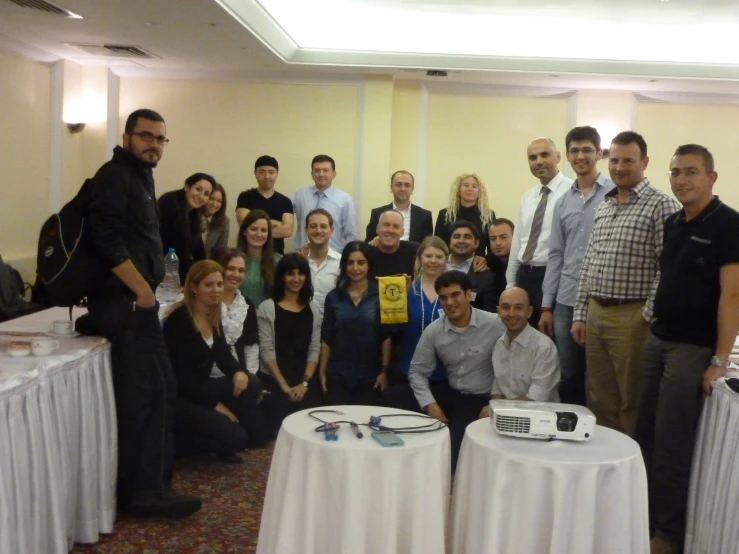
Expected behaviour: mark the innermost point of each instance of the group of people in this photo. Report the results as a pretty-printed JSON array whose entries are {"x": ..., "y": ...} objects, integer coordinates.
[{"x": 603, "y": 293}]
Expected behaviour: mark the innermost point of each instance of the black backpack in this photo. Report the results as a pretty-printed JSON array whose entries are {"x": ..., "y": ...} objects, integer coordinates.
[
  {"x": 66, "y": 268},
  {"x": 12, "y": 294}
]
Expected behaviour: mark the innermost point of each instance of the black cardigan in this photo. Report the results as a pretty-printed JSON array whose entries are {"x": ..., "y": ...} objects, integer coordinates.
[
  {"x": 192, "y": 359},
  {"x": 249, "y": 333},
  {"x": 180, "y": 229}
]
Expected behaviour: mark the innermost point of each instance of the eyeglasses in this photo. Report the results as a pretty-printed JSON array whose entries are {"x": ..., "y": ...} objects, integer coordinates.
[
  {"x": 587, "y": 151},
  {"x": 690, "y": 172},
  {"x": 146, "y": 136}
]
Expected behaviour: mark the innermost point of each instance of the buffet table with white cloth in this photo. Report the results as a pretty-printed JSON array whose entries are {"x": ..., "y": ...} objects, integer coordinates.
[
  {"x": 58, "y": 440},
  {"x": 354, "y": 496},
  {"x": 555, "y": 497}
]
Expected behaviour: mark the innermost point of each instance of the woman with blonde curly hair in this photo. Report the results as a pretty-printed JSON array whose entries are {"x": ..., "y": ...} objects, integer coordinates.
[{"x": 468, "y": 200}]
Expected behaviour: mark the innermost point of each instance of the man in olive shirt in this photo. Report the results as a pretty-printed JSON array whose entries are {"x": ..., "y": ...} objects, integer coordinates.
[{"x": 696, "y": 319}]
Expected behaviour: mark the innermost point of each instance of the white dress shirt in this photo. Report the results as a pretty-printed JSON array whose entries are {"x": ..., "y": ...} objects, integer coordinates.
[
  {"x": 406, "y": 221},
  {"x": 558, "y": 186},
  {"x": 324, "y": 277},
  {"x": 526, "y": 366}
]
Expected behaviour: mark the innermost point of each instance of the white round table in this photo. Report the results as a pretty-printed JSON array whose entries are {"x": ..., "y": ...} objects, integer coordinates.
[
  {"x": 561, "y": 497},
  {"x": 354, "y": 496}
]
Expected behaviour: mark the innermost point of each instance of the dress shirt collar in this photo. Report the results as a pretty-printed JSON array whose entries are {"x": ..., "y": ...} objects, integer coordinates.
[
  {"x": 473, "y": 322},
  {"x": 522, "y": 338},
  {"x": 638, "y": 190},
  {"x": 554, "y": 184},
  {"x": 404, "y": 212},
  {"x": 330, "y": 255},
  {"x": 599, "y": 182},
  {"x": 464, "y": 267},
  {"x": 327, "y": 192}
]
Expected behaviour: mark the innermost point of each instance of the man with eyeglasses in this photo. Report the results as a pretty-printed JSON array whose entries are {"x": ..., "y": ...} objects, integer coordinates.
[
  {"x": 572, "y": 222},
  {"x": 122, "y": 219},
  {"x": 696, "y": 320},
  {"x": 529, "y": 254},
  {"x": 618, "y": 279}
]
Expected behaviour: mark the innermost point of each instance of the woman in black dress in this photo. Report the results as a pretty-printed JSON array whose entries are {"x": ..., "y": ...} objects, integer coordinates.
[
  {"x": 290, "y": 340},
  {"x": 468, "y": 200},
  {"x": 180, "y": 216}
]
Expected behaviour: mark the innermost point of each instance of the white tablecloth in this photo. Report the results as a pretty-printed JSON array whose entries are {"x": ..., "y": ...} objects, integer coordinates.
[
  {"x": 515, "y": 495},
  {"x": 58, "y": 442},
  {"x": 353, "y": 496},
  {"x": 713, "y": 507}
]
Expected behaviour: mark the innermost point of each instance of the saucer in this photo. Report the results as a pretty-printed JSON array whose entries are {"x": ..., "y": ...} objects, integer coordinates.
[{"x": 62, "y": 335}]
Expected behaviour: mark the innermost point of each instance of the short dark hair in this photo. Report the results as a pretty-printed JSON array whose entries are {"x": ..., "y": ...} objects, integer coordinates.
[
  {"x": 144, "y": 113},
  {"x": 628, "y": 137},
  {"x": 697, "y": 149},
  {"x": 453, "y": 277},
  {"x": 413, "y": 179},
  {"x": 224, "y": 254},
  {"x": 320, "y": 211},
  {"x": 288, "y": 263},
  {"x": 350, "y": 248},
  {"x": 321, "y": 158},
  {"x": 266, "y": 161},
  {"x": 586, "y": 132},
  {"x": 463, "y": 223},
  {"x": 195, "y": 177},
  {"x": 502, "y": 221}
]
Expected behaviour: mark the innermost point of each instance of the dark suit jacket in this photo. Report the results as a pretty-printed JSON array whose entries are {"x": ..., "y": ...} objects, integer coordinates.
[
  {"x": 484, "y": 289},
  {"x": 422, "y": 224}
]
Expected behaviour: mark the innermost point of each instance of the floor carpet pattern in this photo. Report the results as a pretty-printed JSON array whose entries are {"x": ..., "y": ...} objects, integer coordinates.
[{"x": 228, "y": 522}]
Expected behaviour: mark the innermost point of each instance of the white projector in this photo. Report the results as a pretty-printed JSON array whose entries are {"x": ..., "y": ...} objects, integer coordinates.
[{"x": 542, "y": 420}]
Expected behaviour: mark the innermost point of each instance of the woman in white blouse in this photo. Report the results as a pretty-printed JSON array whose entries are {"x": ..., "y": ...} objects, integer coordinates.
[{"x": 238, "y": 314}]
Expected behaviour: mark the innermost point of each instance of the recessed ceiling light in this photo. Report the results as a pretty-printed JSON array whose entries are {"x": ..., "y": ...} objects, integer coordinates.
[{"x": 652, "y": 80}]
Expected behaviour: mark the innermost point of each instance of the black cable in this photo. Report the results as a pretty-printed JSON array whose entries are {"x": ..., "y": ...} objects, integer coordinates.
[{"x": 434, "y": 425}]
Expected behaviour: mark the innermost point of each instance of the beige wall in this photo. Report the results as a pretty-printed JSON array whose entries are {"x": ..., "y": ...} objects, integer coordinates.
[
  {"x": 222, "y": 128},
  {"x": 667, "y": 126},
  {"x": 488, "y": 136},
  {"x": 25, "y": 97}
]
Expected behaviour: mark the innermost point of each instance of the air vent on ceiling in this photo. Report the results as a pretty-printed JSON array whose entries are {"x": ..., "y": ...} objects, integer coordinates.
[
  {"x": 113, "y": 50},
  {"x": 42, "y": 6}
]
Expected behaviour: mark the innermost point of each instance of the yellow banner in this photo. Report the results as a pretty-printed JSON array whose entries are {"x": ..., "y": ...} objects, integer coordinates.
[{"x": 393, "y": 304}]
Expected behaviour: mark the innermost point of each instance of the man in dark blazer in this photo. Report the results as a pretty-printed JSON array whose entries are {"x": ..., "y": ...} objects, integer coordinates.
[{"x": 417, "y": 222}]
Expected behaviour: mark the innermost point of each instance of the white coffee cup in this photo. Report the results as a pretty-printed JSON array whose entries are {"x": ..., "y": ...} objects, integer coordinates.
[
  {"x": 19, "y": 348},
  {"x": 62, "y": 327},
  {"x": 41, "y": 346}
]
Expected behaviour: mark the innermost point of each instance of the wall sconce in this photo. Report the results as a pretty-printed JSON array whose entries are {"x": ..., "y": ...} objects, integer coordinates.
[{"x": 75, "y": 128}]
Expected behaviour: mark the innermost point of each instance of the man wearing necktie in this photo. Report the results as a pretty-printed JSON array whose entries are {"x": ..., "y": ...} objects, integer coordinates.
[{"x": 530, "y": 248}]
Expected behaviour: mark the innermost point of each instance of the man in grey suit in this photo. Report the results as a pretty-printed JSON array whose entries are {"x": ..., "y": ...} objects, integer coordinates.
[{"x": 417, "y": 222}]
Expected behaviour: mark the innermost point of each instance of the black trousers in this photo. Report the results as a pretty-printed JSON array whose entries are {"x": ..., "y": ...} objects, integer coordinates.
[
  {"x": 460, "y": 409},
  {"x": 279, "y": 406},
  {"x": 399, "y": 393},
  {"x": 144, "y": 386},
  {"x": 200, "y": 430},
  {"x": 670, "y": 405},
  {"x": 339, "y": 393},
  {"x": 247, "y": 407},
  {"x": 530, "y": 278}
]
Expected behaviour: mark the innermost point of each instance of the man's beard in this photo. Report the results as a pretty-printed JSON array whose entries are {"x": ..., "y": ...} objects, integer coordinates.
[{"x": 142, "y": 161}]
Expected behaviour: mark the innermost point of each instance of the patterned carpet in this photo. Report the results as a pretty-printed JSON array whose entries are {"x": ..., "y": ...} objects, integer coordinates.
[{"x": 228, "y": 521}]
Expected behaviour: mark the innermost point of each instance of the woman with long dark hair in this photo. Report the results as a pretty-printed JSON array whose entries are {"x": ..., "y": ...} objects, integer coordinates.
[
  {"x": 355, "y": 347},
  {"x": 255, "y": 240},
  {"x": 214, "y": 227},
  {"x": 213, "y": 414},
  {"x": 290, "y": 340},
  {"x": 180, "y": 214}
]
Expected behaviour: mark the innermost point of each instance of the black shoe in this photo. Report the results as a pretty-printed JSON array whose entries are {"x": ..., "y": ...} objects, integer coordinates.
[
  {"x": 167, "y": 504},
  {"x": 230, "y": 458}
]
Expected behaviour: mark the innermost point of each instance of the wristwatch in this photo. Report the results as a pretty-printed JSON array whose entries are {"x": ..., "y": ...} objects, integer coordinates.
[
  {"x": 717, "y": 362},
  {"x": 305, "y": 384}
]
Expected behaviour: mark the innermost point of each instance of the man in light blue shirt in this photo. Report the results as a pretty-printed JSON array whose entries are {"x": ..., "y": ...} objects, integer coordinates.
[
  {"x": 571, "y": 225},
  {"x": 323, "y": 195}
]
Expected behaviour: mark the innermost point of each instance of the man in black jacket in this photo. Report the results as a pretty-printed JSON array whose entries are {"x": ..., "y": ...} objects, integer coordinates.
[
  {"x": 417, "y": 222},
  {"x": 122, "y": 215}
]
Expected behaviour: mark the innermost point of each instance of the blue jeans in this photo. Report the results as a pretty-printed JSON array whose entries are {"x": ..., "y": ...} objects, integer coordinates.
[{"x": 571, "y": 357}]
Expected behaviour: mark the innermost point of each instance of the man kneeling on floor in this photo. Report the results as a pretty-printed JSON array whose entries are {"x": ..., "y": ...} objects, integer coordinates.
[
  {"x": 525, "y": 360},
  {"x": 463, "y": 341}
]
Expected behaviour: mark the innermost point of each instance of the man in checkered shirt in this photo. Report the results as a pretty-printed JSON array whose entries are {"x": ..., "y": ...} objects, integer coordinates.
[{"x": 617, "y": 284}]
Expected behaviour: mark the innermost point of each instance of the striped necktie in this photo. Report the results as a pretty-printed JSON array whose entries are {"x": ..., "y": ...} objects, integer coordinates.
[{"x": 536, "y": 226}]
